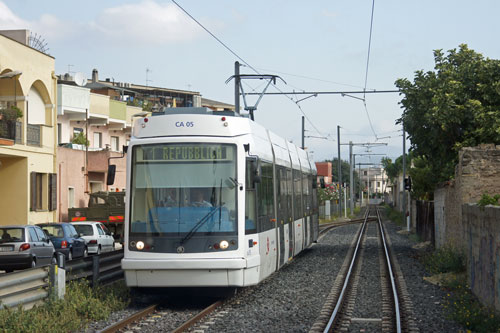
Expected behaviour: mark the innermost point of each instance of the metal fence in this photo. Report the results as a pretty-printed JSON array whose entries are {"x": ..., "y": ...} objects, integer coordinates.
[
  {"x": 33, "y": 286},
  {"x": 425, "y": 220},
  {"x": 33, "y": 133},
  {"x": 26, "y": 288},
  {"x": 98, "y": 269}
]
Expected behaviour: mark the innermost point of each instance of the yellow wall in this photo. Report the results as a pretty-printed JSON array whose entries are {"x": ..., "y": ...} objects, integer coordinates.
[
  {"x": 99, "y": 104},
  {"x": 19, "y": 160},
  {"x": 13, "y": 194}
]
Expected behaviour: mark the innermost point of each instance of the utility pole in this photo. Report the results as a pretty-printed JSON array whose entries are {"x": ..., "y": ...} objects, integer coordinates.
[
  {"x": 237, "y": 87},
  {"x": 404, "y": 177},
  {"x": 340, "y": 172},
  {"x": 303, "y": 130},
  {"x": 351, "y": 179}
]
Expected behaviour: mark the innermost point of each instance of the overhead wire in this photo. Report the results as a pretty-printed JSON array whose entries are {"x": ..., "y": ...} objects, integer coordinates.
[
  {"x": 366, "y": 72},
  {"x": 241, "y": 59}
]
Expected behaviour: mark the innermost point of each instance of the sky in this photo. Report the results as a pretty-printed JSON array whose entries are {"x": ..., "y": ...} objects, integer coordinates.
[{"x": 317, "y": 45}]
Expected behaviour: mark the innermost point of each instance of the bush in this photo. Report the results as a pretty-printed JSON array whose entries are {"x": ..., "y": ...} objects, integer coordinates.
[
  {"x": 80, "y": 305},
  {"x": 444, "y": 260},
  {"x": 464, "y": 308},
  {"x": 488, "y": 200}
]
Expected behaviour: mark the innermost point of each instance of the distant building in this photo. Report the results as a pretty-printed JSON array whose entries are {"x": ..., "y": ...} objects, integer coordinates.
[
  {"x": 103, "y": 113},
  {"x": 324, "y": 170},
  {"x": 374, "y": 180}
]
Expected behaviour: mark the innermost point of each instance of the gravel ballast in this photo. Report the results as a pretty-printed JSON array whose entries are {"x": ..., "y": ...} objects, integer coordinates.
[{"x": 291, "y": 299}]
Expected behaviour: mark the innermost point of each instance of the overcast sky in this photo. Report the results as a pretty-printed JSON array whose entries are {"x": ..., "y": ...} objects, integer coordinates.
[{"x": 312, "y": 45}]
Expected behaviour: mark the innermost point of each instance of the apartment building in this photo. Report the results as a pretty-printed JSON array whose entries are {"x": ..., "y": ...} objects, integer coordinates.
[{"x": 28, "y": 132}]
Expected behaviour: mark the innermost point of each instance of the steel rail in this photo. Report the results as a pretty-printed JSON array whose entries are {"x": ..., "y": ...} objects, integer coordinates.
[
  {"x": 391, "y": 275},
  {"x": 190, "y": 323},
  {"x": 340, "y": 301},
  {"x": 129, "y": 320}
]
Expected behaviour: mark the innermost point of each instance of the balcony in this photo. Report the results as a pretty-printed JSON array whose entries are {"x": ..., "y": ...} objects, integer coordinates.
[
  {"x": 33, "y": 135},
  {"x": 7, "y": 132}
]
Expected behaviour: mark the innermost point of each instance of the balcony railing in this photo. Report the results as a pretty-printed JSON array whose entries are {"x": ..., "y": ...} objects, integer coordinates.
[
  {"x": 7, "y": 129},
  {"x": 19, "y": 132},
  {"x": 33, "y": 135}
]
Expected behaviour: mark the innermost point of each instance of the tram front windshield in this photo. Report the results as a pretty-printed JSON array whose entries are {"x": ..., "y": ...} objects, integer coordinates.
[{"x": 183, "y": 188}]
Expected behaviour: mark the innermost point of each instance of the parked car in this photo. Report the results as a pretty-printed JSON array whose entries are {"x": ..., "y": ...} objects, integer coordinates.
[
  {"x": 24, "y": 246},
  {"x": 96, "y": 235},
  {"x": 65, "y": 239}
]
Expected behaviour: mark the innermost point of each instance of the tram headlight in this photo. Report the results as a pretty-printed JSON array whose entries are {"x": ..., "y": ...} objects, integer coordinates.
[
  {"x": 224, "y": 245},
  {"x": 140, "y": 245}
]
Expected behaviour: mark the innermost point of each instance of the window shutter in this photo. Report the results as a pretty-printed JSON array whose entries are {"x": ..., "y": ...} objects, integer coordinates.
[
  {"x": 52, "y": 192},
  {"x": 33, "y": 191}
]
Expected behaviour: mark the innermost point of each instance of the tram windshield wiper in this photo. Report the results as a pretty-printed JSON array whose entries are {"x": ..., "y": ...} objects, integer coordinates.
[{"x": 199, "y": 224}]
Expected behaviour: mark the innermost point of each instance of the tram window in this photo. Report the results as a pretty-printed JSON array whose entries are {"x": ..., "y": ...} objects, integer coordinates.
[
  {"x": 305, "y": 194},
  {"x": 249, "y": 176},
  {"x": 265, "y": 197},
  {"x": 297, "y": 190},
  {"x": 250, "y": 209},
  {"x": 250, "y": 220}
]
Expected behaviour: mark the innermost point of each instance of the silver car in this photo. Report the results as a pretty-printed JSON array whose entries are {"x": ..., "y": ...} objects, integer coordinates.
[
  {"x": 97, "y": 237},
  {"x": 24, "y": 246}
]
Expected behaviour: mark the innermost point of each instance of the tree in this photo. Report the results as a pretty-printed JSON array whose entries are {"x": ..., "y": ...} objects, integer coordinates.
[
  {"x": 456, "y": 105},
  {"x": 80, "y": 139}
]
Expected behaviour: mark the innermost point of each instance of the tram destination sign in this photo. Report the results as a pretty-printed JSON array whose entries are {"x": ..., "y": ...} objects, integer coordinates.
[{"x": 192, "y": 152}]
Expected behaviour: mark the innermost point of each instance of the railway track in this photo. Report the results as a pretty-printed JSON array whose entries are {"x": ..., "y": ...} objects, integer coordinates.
[
  {"x": 325, "y": 227},
  {"x": 152, "y": 314},
  {"x": 346, "y": 308}
]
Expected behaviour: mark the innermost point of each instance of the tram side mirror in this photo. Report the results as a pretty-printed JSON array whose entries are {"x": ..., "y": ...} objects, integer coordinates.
[
  {"x": 125, "y": 149},
  {"x": 111, "y": 174},
  {"x": 255, "y": 170},
  {"x": 257, "y": 173}
]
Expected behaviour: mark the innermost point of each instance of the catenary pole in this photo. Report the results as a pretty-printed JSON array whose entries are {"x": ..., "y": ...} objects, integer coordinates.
[
  {"x": 351, "y": 180},
  {"x": 303, "y": 130},
  {"x": 404, "y": 177},
  {"x": 237, "y": 87},
  {"x": 340, "y": 172}
]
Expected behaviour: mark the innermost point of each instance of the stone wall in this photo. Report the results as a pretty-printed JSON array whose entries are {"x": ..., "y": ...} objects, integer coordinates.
[
  {"x": 482, "y": 248},
  {"x": 477, "y": 172}
]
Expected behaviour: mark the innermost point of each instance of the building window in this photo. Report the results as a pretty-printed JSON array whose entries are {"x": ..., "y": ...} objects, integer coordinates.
[
  {"x": 43, "y": 189},
  {"x": 97, "y": 140},
  {"x": 364, "y": 173},
  {"x": 115, "y": 143}
]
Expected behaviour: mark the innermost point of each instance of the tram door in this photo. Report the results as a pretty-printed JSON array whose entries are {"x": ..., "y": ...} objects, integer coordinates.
[
  {"x": 281, "y": 218},
  {"x": 289, "y": 212}
]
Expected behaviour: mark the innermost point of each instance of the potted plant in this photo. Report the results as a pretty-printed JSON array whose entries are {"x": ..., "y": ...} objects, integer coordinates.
[
  {"x": 8, "y": 117},
  {"x": 10, "y": 114}
]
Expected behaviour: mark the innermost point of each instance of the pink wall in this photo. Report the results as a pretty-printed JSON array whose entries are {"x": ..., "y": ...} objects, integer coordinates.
[{"x": 71, "y": 173}]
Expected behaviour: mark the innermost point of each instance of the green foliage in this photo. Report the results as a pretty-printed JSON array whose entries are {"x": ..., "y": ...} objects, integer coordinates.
[
  {"x": 335, "y": 170},
  {"x": 80, "y": 139},
  {"x": 444, "y": 260},
  {"x": 464, "y": 308},
  {"x": 392, "y": 170},
  {"x": 10, "y": 114},
  {"x": 393, "y": 215},
  {"x": 489, "y": 200},
  {"x": 422, "y": 179},
  {"x": 456, "y": 105},
  {"x": 80, "y": 306}
]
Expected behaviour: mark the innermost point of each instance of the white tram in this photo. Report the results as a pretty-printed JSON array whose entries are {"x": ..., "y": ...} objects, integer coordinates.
[{"x": 213, "y": 200}]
